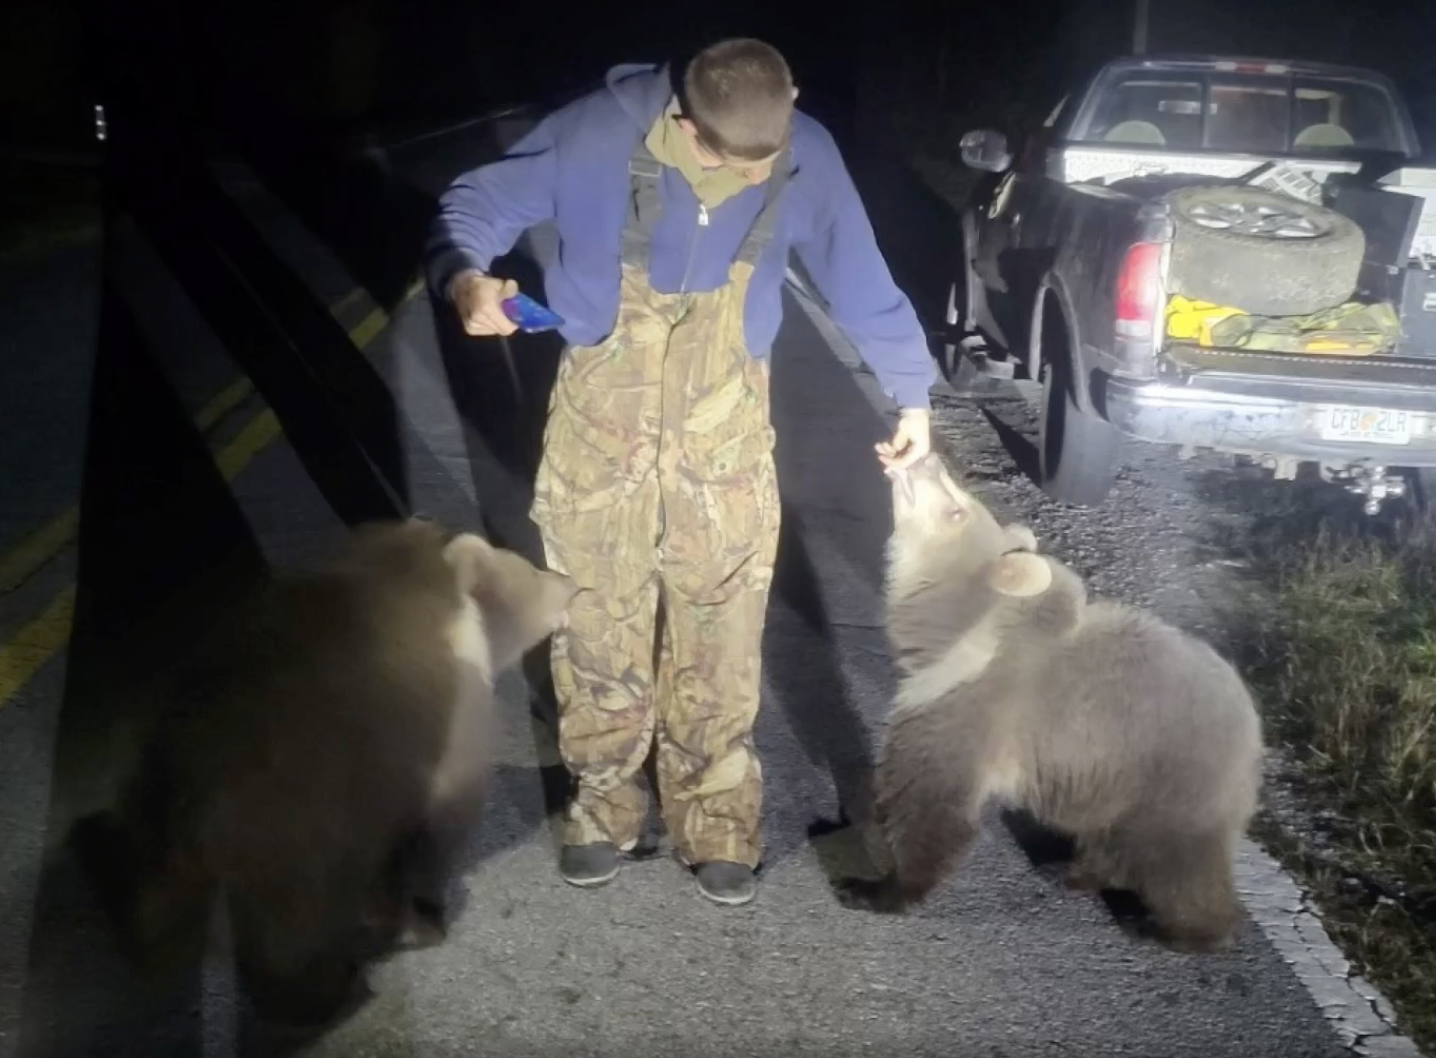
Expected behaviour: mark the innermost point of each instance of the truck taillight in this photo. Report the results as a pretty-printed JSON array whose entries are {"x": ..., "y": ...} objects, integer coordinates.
[{"x": 1139, "y": 288}]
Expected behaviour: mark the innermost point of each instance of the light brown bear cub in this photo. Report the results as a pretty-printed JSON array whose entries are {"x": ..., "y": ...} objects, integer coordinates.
[
  {"x": 1105, "y": 723},
  {"x": 319, "y": 761}
]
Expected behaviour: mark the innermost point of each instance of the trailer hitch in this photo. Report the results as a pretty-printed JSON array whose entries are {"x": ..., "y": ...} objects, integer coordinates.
[{"x": 1372, "y": 482}]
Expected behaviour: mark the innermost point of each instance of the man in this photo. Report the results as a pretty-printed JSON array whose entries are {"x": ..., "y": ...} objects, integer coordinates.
[{"x": 657, "y": 492}]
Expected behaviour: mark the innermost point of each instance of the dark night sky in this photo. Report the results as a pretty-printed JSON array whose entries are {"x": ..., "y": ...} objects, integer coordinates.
[{"x": 446, "y": 58}]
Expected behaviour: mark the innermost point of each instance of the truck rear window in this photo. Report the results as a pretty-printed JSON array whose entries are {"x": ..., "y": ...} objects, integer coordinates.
[{"x": 1242, "y": 114}]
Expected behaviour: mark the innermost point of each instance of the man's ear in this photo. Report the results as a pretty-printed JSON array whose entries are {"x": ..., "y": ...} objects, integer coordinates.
[
  {"x": 1020, "y": 575},
  {"x": 465, "y": 554}
]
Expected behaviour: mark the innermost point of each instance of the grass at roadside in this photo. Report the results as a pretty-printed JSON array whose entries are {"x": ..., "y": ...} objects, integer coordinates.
[
  {"x": 1345, "y": 667},
  {"x": 42, "y": 206}
]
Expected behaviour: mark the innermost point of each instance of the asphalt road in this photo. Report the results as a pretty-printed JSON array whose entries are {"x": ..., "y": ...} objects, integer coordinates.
[{"x": 1002, "y": 962}]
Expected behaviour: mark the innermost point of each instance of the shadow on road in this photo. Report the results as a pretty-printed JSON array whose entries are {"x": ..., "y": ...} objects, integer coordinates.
[
  {"x": 1051, "y": 853},
  {"x": 825, "y": 657},
  {"x": 806, "y": 675},
  {"x": 1021, "y": 448},
  {"x": 162, "y": 548},
  {"x": 917, "y": 229},
  {"x": 374, "y": 223}
]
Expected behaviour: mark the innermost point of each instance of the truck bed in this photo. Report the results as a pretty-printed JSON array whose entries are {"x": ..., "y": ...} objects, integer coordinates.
[{"x": 1303, "y": 179}]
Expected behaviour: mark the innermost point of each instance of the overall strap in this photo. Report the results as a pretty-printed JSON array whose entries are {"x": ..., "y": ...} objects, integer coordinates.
[
  {"x": 645, "y": 205},
  {"x": 760, "y": 234}
]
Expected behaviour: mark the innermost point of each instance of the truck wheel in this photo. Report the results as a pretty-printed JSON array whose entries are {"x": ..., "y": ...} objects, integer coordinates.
[
  {"x": 1077, "y": 450},
  {"x": 1261, "y": 252}
]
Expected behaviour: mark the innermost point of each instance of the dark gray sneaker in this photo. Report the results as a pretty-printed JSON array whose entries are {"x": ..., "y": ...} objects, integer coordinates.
[
  {"x": 726, "y": 883},
  {"x": 588, "y": 866}
]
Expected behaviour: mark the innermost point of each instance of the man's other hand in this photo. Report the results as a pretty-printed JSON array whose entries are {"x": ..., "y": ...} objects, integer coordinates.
[
  {"x": 478, "y": 300},
  {"x": 911, "y": 441}
]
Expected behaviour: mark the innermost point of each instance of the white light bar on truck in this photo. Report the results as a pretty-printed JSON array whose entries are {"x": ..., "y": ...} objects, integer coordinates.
[{"x": 1228, "y": 66}]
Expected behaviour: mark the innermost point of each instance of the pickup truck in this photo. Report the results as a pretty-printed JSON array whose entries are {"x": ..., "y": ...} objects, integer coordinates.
[{"x": 1270, "y": 189}]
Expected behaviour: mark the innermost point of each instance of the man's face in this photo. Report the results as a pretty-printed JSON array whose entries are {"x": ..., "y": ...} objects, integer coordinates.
[{"x": 755, "y": 172}]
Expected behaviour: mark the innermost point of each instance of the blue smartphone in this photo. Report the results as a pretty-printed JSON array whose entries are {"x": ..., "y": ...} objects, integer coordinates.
[{"x": 530, "y": 315}]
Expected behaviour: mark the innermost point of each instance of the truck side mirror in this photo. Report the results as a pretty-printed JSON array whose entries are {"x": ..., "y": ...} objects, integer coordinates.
[{"x": 985, "y": 149}]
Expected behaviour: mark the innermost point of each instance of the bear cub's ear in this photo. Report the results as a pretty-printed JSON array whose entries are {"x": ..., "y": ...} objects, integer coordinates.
[{"x": 1020, "y": 575}]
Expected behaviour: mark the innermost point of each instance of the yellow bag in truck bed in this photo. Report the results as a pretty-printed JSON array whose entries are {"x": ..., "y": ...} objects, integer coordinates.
[
  {"x": 1192, "y": 321},
  {"x": 1352, "y": 329}
]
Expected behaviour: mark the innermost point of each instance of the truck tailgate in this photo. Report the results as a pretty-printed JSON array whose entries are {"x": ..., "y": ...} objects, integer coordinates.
[{"x": 1333, "y": 379}]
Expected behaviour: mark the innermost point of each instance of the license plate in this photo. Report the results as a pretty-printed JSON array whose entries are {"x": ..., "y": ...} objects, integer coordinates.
[{"x": 1372, "y": 425}]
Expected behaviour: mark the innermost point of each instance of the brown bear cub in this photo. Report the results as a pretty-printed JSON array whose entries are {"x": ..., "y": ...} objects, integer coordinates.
[
  {"x": 318, "y": 762},
  {"x": 1104, "y": 722}
]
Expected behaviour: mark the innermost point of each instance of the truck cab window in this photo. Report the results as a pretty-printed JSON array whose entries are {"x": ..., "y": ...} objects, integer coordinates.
[
  {"x": 1147, "y": 111},
  {"x": 1332, "y": 115}
]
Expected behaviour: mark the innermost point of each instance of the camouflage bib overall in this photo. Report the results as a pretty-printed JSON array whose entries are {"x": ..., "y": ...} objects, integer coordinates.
[{"x": 657, "y": 492}]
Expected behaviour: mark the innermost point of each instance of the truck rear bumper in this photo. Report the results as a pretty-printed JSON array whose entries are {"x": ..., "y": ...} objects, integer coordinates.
[{"x": 1214, "y": 401}]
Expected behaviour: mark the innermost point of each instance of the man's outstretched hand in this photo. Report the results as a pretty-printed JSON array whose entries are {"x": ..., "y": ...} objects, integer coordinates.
[
  {"x": 911, "y": 441},
  {"x": 478, "y": 299}
]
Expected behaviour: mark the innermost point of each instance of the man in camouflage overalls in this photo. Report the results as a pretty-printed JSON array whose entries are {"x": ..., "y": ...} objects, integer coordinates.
[{"x": 657, "y": 490}]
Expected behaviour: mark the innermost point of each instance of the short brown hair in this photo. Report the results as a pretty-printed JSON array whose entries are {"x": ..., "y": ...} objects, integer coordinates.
[{"x": 739, "y": 95}]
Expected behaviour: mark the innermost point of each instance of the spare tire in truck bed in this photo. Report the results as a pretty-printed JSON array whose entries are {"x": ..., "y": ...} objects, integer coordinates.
[{"x": 1262, "y": 252}]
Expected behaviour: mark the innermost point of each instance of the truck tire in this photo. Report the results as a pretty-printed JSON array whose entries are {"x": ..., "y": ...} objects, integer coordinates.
[
  {"x": 1076, "y": 449},
  {"x": 1261, "y": 252}
]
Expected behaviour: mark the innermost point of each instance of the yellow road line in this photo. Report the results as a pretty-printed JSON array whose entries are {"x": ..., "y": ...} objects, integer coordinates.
[
  {"x": 248, "y": 443},
  {"x": 224, "y": 402},
  {"x": 368, "y": 327},
  {"x": 38, "y": 548},
  {"x": 23, "y": 560},
  {"x": 35, "y": 643}
]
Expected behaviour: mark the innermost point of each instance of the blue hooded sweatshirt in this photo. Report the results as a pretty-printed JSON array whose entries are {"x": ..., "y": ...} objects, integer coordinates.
[{"x": 572, "y": 168}]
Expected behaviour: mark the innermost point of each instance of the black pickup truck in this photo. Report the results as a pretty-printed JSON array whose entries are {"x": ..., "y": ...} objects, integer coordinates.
[{"x": 1272, "y": 191}]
